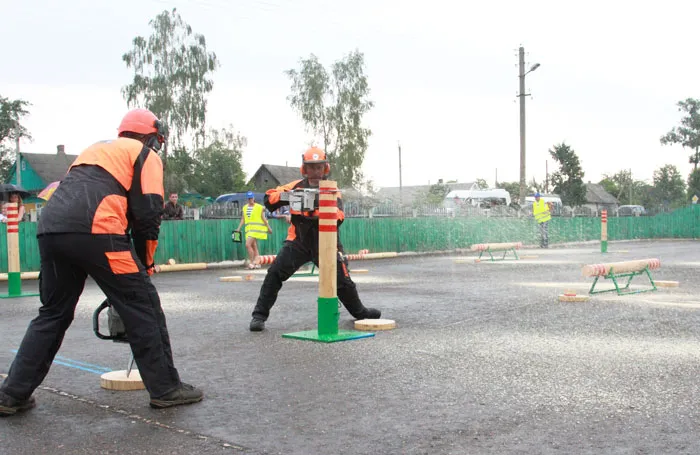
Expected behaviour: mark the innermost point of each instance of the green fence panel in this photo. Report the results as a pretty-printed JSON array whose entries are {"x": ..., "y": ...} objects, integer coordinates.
[{"x": 189, "y": 241}]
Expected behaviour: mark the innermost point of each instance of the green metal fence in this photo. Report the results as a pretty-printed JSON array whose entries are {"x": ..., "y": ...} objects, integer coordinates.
[{"x": 210, "y": 240}]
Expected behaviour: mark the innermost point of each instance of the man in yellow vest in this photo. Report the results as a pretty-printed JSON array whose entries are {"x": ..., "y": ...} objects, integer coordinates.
[
  {"x": 256, "y": 227},
  {"x": 541, "y": 212}
]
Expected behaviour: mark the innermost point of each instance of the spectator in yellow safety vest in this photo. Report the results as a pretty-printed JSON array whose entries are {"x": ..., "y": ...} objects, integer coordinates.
[
  {"x": 256, "y": 227},
  {"x": 541, "y": 211}
]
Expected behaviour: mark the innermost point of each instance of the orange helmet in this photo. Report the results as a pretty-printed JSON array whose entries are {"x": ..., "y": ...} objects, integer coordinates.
[
  {"x": 143, "y": 121},
  {"x": 314, "y": 155}
]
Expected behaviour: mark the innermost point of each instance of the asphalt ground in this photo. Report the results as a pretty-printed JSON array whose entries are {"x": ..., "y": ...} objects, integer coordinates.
[{"x": 485, "y": 359}]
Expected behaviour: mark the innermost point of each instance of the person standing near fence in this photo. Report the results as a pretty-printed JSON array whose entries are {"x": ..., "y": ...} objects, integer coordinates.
[
  {"x": 173, "y": 210},
  {"x": 541, "y": 212},
  {"x": 256, "y": 228}
]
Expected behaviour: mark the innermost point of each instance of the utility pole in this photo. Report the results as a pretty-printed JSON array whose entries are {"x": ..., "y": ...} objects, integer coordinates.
[
  {"x": 521, "y": 94},
  {"x": 18, "y": 164},
  {"x": 400, "y": 182},
  {"x": 495, "y": 185},
  {"x": 546, "y": 176},
  {"x": 521, "y": 75}
]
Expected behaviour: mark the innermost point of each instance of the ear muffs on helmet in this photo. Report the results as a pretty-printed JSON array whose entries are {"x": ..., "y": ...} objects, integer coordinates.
[{"x": 157, "y": 140}]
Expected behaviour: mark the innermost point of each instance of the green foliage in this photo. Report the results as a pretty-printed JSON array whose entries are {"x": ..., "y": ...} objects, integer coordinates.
[
  {"x": 568, "y": 180},
  {"x": 669, "y": 188},
  {"x": 688, "y": 133},
  {"x": 481, "y": 183},
  {"x": 216, "y": 168},
  {"x": 171, "y": 77},
  {"x": 179, "y": 169},
  {"x": 332, "y": 105},
  {"x": 694, "y": 184},
  {"x": 513, "y": 188},
  {"x": 434, "y": 196},
  {"x": 11, "y": 114}
]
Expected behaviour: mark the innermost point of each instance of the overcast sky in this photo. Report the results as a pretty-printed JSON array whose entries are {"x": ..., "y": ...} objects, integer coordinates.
[{"x": 443, "y": 76}]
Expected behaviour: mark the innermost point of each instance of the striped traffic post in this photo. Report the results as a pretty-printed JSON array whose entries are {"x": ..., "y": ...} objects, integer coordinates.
[
  {"x": 14, "y": 277},
  {"x": 328, "y": 304},
  {"x": 603, "y": 231}
]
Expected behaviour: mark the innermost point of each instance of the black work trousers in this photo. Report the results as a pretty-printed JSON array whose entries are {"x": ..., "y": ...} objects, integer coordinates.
[
  {"x": 293, "y": 255},
  {"x": 66, "y": 261}
]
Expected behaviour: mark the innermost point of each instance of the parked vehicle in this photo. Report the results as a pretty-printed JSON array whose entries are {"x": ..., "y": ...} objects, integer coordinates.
[
  {"x": 477, "y": 198},
  {"x": 230, "y": 205},
  {"x": 631, "y": 210}
]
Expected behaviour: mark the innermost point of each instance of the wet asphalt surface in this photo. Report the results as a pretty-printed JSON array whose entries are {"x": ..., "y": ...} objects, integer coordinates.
[{"x": 485, "y": 359}]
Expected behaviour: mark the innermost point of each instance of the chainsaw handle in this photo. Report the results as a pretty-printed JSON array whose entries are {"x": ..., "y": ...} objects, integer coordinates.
[{"x": 96, "y": 321}]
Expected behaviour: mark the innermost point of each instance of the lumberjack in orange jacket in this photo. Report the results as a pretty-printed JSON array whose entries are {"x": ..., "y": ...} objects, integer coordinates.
[
  {"x": 301, "y": 246},
  {"x": 111, "y": 195}
]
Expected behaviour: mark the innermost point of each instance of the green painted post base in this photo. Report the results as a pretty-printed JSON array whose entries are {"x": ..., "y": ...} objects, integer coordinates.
[
  {"x": 603, "y": 246},
  {"x": 328, "y": 316},
  {"x": 14, "y": 287}
]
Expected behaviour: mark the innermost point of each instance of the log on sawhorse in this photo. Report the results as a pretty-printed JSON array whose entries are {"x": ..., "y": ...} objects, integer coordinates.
[
  {"x": 491, "y": 247},
  {"x": 617, "y": 270}
]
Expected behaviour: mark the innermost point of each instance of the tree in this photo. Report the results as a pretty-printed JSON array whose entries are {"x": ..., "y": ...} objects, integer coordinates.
[
  {"x": 435, "y": 195},
  {"x": 533, "y": 186},
  {"x": 620, "y": 185},
  {"x": 332, "y": 105},
  {"x": 694, "y": 184},
  {"x": 669, "y": 188},
  {"x": 171, "y": 77},
  {"x": 688, "y": 133},
  {"x": 11, "y": 114},
  {"x": 568, "y": 180},
  {"x": 217, "y": 168},
  {"x": 481, "y": 183},
  {"x": 513, "y": 188},
  {"x": 179, "y": 171}
]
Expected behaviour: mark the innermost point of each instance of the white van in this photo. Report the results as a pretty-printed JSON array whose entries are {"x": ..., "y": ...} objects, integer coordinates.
[{"x": 478, "y": 198}]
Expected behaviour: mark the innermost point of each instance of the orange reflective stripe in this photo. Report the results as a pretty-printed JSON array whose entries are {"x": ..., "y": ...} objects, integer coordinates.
[
  {"x": 151, "y": 246},
  {"x": 291, "y": 233},
  {"x": 121, "y": 262},
  {"x": 152, "y": 175},
  {"x": 110, "y": 216},
  {"x": 116, "y": 157}
]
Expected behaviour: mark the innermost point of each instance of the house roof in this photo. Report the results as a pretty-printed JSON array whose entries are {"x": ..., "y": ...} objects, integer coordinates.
[
  {"x": 283, "y": 174},
  {"x": 596, "y": 194},
  {"x": 411, "y": 192},
  {"x": 50, "y": 167}
]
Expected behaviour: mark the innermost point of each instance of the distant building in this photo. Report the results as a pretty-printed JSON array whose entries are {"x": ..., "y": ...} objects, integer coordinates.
[
  {"x": 598, "y": 199},
  {"x": 271, "y": 176},
  {"x": 40, "y": 169}
]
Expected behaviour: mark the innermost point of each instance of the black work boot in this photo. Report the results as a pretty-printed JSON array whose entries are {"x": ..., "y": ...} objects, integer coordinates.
[
  {"x": 369, "y": 313},
  {"x": 185, "y": 394},
  {"x": 11, "y": 406},
  {"x": 257, "y": 325}
]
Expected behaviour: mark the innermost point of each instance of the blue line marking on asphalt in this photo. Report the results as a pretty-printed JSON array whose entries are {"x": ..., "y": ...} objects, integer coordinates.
[{"x": 84, "y": 366}]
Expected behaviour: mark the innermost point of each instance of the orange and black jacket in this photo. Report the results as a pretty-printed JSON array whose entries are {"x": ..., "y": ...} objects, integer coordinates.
[
  {"x": 112, "y": 188},
  {"x": 304, "y": 227}
]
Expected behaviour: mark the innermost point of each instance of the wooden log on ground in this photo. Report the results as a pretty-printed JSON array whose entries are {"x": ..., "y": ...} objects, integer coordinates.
[
  {"x": 638, "y": 265},
  {"x": 496, "y": 246}
]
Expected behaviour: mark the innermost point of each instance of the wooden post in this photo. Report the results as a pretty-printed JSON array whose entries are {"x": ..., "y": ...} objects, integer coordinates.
[
  {"x": 328, "y": 312},
  {"x": 14, "y": 277},
  {"x": 328, "y": 240},
  {"x": 604, "y": 231}
]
